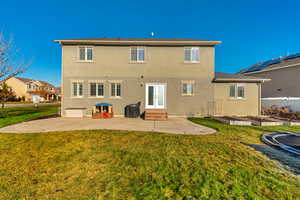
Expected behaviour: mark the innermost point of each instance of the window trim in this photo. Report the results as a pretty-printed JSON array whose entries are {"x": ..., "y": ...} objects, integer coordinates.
[
  {"x": 110, "y": 90},
  {"x": 85, "y": 55},
  {"x": 97, "y": 85},
  {"x": 72, "y": 89},
  {"x": 193, "y": 88},
  {"x": 190, "y": 61},
  {"x": 137, "y": 61},
  {"x": 236, "y": 86}
]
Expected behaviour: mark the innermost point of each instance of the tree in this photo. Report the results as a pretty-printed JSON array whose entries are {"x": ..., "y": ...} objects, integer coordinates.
[
  {"x": 43, "y": 92},
  {"x": 5, "y": 93},
  {"x": 11, "y": 64}
]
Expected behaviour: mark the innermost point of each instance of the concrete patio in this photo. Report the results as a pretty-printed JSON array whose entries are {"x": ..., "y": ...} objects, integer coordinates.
[{"x": 172, "y": 125}]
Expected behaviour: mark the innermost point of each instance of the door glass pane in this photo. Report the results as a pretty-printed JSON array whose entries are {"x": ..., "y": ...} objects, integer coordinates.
[
  {"x": 150, "y": 95},
  {"x": 160, "y": 95}
]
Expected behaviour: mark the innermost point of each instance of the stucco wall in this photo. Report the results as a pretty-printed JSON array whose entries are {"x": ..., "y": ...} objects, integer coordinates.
[
  {"x": 284, "y": 83},
  {"x": 162, "y": 65},
  {"x": 19, "y": 88},
  {"x": 224, "y": 105}
]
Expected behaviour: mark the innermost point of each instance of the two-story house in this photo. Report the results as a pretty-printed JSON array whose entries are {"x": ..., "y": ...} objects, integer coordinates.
[
  {"x": 26, "y": 88},
  {"x": 173, "y": 75}
]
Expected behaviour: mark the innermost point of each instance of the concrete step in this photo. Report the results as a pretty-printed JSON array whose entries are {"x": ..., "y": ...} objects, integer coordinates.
[{"x": 155, "y": 114}]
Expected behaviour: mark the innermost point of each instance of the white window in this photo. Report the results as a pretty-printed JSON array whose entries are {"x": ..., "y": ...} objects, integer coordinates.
[
  {"x": 115, "y": 90},
  {"x": 237, "y": 91},
  {"x": 191, "y": 54},
  {"x": 187, "y": 89},
  {"x": 77, "y": 89},
  {"x": 137, "y": 54},
  {"x": 96, "y": 89},
  {"x": 85, "y": 53}
]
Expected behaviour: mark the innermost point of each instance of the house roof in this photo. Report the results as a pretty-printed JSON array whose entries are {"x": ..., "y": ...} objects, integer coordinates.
[
  {"x": 138, "y": 41},
  {"x": 57, "y": 90},
  {"x": 292, "y": 60},
  {"x": 27, "y": 80},
  {"x": 221, "y": 77}
]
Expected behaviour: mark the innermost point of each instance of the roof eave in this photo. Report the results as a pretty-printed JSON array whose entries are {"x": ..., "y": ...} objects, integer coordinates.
[
  {"x": 137, "y": 42},
  {"x": 226, "y": 80}
]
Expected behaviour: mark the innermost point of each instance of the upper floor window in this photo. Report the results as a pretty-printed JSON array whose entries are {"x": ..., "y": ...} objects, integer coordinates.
[
  {"x": 86, "y": 53},
  {"x": 77, "y": 89},
  {"x": 137, "y": 54},
  {"x": 191, "y": 54},
  {"x": 96, "y": 89},
  {"x": 115, "y": 90},
  {"x": 237, "y": 91}
]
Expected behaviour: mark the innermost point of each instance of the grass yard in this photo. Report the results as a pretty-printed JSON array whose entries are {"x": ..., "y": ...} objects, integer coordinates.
[
  {"x": 104, "y": 164},
  {"x": 15, "y": 115}
]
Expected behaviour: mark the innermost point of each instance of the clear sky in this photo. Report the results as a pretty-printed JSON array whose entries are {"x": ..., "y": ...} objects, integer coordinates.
[{"x": 250, "y": 30}]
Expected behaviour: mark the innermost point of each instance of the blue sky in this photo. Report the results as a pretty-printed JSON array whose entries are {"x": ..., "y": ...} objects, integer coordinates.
[{"x": 250, "y": 31}]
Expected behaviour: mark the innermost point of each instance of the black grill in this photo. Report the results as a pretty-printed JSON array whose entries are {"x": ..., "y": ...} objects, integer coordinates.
[{"x": 132, "y": 110}]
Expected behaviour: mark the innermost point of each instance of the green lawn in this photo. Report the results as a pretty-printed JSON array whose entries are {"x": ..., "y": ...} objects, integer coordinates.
[
  {"x": 14, "y": 115},
  {"x": 104, "y": 164}
]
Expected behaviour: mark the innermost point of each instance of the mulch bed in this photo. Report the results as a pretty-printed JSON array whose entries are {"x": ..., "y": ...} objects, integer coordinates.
[{"x": 261, "y": 119}]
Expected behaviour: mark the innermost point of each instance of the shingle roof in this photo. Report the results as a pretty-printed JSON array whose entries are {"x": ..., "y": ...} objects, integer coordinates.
[
  {"x": 140, "y": 39},
  {"x": 225, "y": 77},
  {"x": 27, "y": 80},
  {"x": 284, "y": 62}
]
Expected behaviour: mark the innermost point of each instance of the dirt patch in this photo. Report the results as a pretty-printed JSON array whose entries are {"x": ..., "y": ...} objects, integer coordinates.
[{"x": 44, "y": 117}]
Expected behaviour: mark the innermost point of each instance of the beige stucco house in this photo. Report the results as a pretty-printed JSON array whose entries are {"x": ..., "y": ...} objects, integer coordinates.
[
  {"x": 172, "y": 75},
  {"x": 284, "y": 73},
  {"x": 26, "y": 88}
]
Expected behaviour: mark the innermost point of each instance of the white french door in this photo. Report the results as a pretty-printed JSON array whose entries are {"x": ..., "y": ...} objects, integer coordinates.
[{"x": 155, "y": 96}]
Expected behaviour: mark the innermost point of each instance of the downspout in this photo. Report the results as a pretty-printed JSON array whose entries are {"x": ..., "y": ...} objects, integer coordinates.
[{"x": 259, "y": 99}]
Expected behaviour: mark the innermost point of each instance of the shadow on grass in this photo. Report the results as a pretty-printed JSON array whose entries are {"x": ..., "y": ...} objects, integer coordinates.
[{"x": 291, "y": 161}]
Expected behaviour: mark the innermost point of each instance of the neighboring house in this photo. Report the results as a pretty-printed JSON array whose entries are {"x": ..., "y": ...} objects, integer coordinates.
[
  {"x": 57, "y": 92},
  {"x": 284, "y": 73},
  {"x": 172, "y": 75},
  {"x": 26, "y": 88}
]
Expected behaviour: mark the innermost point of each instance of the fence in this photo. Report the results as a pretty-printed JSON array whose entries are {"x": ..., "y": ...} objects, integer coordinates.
[{"x": 291, "y": 102}]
